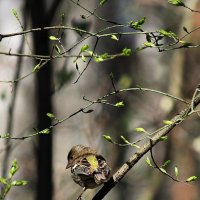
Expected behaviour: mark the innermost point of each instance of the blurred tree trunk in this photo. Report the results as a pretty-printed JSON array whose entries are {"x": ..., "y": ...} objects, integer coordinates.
[
  {"x": 44, "y": 103},
  {"x": 120, "y": 68}
]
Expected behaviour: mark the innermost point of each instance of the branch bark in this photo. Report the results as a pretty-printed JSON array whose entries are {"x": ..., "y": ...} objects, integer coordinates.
[{"x": 126, "y": 167}]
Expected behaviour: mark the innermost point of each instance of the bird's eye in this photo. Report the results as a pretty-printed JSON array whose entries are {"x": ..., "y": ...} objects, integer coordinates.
[{"x": 70, "y": 157}]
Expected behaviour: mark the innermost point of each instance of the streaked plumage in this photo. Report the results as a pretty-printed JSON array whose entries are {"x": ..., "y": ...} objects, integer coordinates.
[{"x": 88, "y": 168}]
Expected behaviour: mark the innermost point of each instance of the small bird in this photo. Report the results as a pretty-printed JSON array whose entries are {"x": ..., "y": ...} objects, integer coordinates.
[{"x": 89, "y": 169}]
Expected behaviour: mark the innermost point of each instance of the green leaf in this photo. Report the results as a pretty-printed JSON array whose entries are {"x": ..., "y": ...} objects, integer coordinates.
[
  {"x": 90, "y": 53},
  {"x": 37, "y": 68},
  {"x": 6, "y": 135},
  {"x": 163, "y": 170},
  {"x": 126, "y": 52},
  {"x": 119, "y": 104},
  {"x": 57, "y": 49},
  {"x": 45, "y": 131},
  {"x": 53, "y": 38},
  {"x": 7, "y": 189},
  {"x": 3, "y": 180},
  {"x": 169, "y": 34},
  {"x": 135, "y": 145},
  {"x": 50, "y": 115},
  {"x": 83, "y": 58},
  {"x": 102, "y": 2},
  {"x": 166, "y": 163},
  {"x": 14, "y": 168},
  {"x": 140, "y": 129},
  {"x": 15, "y": 14},
  {"x": 104, "y": 56},
  {"x": 167, "y": 122},
  {"x": 149, "y": 44},
  {"x": 124, "y": 139},
  {"x": 84, "y": 47},
  {"x": 148, "y": 161},
  {"x": 98, "y": 59},
  {"x": 19, "y": 183},
  {"x": 108, "y": 138},
  {"x": 163, "y": 138},
  {"x": 176, "y": 171},
  {"x": 114, "y": 37},
  {"x": 191, "y": 178},
  {"x": 176, "y": 2},
  {"x": 138, "y": 24}
]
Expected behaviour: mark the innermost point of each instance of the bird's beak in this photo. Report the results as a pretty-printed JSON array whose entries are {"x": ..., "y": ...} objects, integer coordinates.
[{"x": 68, "y": 165}]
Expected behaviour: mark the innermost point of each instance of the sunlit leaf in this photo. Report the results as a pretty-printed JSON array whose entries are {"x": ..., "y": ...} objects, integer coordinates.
[
  {"x": 139, "y": 129},
  {"x": 84, "y": 47},
  {"x": 148, "y": 161},
  {"x": 119, "y": 104},
  {"x": 192, "y": 178},
  {"x": 19, "y": 183},
  {"x": 53, "y": 38},
  {"x": 176, "y": 171},
  {"x": 114, "y": 37},
  {"x": 108, "y": 138},
  {"x": 176, "y": 2},
  {"x": 124, "y": 139}
]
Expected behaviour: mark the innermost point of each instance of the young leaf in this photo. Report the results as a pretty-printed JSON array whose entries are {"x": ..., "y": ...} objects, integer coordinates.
[
  {"x": 163, "y": 138},
  {"x": 163, "y": 170},
  {"x": 6, "y": 135},
  {"x": 14, "y": 168},
  {"x": 167, "y": 122},
  {"x": 149, "y": 44},
  {"x": 124, "y": 139},
  {"x": 53, "y": 38},
  {"x": 166, "y": 163},
  {"x": 83, "y": 58},
  {"x": 15, "y": 14},
  {"x": 84, "y": 47},
  {"x": 19, "y": 183},
  {"x": 102, "y": 2},
  {"x": 119, "y": 104},
  {"x": 90, "y": 53},
  {"x": 126, "y": 52},
  {"x": 3, "y": 180},
  {"x": 108, "y": 138},
  {"x": 192, "y": 178},
  {"x": 176, "y": 2},
  {"x": 168, "y": 34},
  {"x": 50, "y": 115},
  {"x": 137, "y": 25},
  {"x": 45, "y": 131},
  {"x": 98, "y": 59},
  {"x": 140, "y": 129},
  {"x": 135, "y": 145},
  {"x": 37, "y": 68},
  {"x": 57, "y": 49},
  {"x": 148, "y": 161},
  {"x": 176, "y": 171},
  {"x": 114, "y": 37}
]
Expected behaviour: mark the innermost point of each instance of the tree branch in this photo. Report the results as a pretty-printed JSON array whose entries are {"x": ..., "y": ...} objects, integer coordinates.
[{"x": 125, "y": 168}]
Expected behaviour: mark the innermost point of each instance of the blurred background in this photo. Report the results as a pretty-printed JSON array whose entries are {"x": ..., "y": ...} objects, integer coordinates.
[{"x": 23, "y": 105}]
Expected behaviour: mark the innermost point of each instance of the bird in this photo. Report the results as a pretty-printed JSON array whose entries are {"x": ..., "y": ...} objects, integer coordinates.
[{"x": 88, "y": 168}]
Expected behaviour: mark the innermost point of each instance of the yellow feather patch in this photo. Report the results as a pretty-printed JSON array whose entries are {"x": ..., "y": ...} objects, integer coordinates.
[{"x": 93, "y": 162}]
